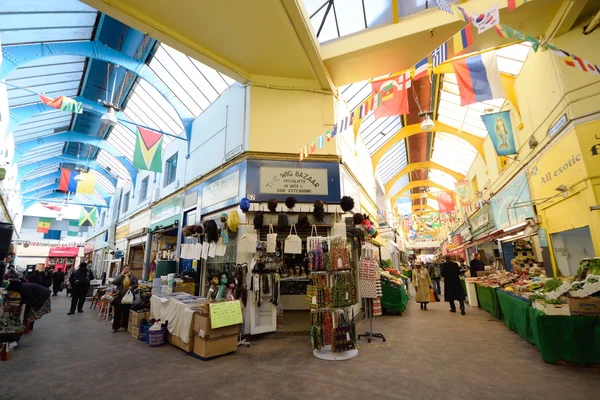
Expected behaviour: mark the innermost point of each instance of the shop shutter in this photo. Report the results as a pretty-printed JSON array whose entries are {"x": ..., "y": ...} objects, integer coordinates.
[{"x": 568, "y": 214}]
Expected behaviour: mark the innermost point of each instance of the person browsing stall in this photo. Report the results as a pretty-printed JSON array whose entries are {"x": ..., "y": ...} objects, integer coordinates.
[{"x": 124, "y": 282}]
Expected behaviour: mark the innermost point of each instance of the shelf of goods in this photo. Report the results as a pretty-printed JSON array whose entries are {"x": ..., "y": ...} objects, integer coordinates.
[
  {"x": 330, "y": 296},
  {"x": 547, "y": 312},
  {"x": 395, "y": 295}
]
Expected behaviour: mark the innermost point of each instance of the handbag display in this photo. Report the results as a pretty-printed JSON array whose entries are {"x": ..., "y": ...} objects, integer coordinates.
[
  {"x": 293, "y": 243},
  {"x": 247, "y": 243},
  {"x": 339, "y": 228},
  {"x": 271, "y": 240},
  {"x": 341, "y": 339}
]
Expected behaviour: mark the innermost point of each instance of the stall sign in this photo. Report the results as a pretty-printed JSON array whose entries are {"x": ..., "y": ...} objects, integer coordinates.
[
  {"x": 465, "y": 234},
  {"x": 121, "y": 232},
  {"x": 165, "y": 209},
  {"x": 561, "y": 165},
  {"x": 481, "y": 221},
  {"x": 308, "y": 181},
  {"x": 225, "y": 314},
  {"x": 221, "y": 189}
]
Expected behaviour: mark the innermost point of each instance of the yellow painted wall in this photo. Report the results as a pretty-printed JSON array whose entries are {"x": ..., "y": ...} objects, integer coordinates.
[{"x": 283, "y": 121}]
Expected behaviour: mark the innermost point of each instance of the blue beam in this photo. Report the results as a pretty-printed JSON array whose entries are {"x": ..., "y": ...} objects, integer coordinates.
[
  {"x": 18, "y": 115},
  {"x": 22, "y": 148},
  {"x": 73, "y": 196},
  {"x": 92, "y": 164},
  {"x": 46, "y": 186},
  {"x": 60, "y": 198},
  {"x": 16, "y": 56}
]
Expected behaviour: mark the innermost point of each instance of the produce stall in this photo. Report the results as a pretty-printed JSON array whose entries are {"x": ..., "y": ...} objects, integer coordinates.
[
  {"x": 488, "y": 300},
  {"x": 395, "y": 295}
]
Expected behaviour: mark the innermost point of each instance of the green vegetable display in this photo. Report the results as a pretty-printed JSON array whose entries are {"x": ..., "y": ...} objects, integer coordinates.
[{"x": 552, "y": 284}]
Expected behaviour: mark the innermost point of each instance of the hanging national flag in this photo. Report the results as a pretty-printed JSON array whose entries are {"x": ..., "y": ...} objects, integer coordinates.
[
  {"x": 148, "y": 150},
  {"x": 366, "y": 107},
  {"x": 356, "y": 123},
  {"x": 391, "y": 95},
  {"x": 445, "y": 201},
  {"x": 86, "y": 184},
  {"x": 478, "y": 78},
  {"x": 577, "y": 62},
  {"x": 51, "y": 207},
  {"x": 303, "y": 152},
  {"x": 67, "y": 181},
  {"x": 440, "y": 55},
  {"x": 461, "y": 13},
  {"x": 73, "y": 228},
  {"x": 444, "y": 6},
  {"x": 462, "y": 39},
  {"x": 421, "y": 69},
  {"x": 63, "y": 103},
  {"x": 487, "y": 20},
  {"x": 88, "y": 217},
  {"x": 44, "y": 225},
  {"x": 321, "y": 141},
  {"x": 510, "y": 33},
  {"x": 512, "y": 4}
]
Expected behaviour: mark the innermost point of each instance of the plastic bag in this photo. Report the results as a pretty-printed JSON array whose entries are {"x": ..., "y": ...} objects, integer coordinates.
[
  {"x": 271, "y": 240},
  {"x": 248, "y": 243},
  {"x": 221, "y": 248},
  {"x": 339, "y": 229},
  {"x": 293, "y": 243},
  {"x": 128, "y": 298},
  {"x": 431, "y": 295}
]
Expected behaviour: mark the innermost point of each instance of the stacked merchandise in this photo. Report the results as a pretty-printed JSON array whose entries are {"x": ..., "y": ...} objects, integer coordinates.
[
  {"x": 524, "y": 258},
  {"x": 370, "y": 289},
  {"x": 329, "y": 296},
  {"x": 137, "y": 321}
]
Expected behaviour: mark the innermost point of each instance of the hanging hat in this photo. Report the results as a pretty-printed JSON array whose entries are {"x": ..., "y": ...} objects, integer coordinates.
[
  {"x": 244, "y": 205},
  {"x": 302, "y": 221},
  {"x": 283, "y": 222},
  {"x": 272, "y": 205},
  {"x": 258, "y": 220},
  {"x": 290, "y": 202},
  {"x": 233, "y": 221},
  {"x": 347, "y": 203}
]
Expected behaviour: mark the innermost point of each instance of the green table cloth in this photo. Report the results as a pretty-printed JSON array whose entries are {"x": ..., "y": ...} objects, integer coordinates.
[
  {"x": 488, "y": 300},
  {"x": 464, "y": 285},
  {"x": 573, "y": 339},
  {"x": 394, "y": 298},
  {"x": 516, "y": 313}
]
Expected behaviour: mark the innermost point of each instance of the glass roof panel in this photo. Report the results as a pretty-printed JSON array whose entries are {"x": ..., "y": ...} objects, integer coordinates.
[
  {"x": 41, "y": 184},
  {"x": 112, "y": 165},
  {"x": 400, "y": 183},
  {"x": 42, "y": 152},
  {"x": 441, "y": 178},
  {"x": 103, "y": 182},
  {"x": 41, "y": 171},
  {"x": 392, "y": 162},
  {"x": 453, "y": 152}
]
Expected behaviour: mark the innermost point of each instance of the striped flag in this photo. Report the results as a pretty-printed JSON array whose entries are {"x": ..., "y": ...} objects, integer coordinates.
[
  {"x": 51, "y": 207},
  {"x": 461, "y": 13},
  {"x": 334, "y": 131},
  {"x": 421, "y": 69},
  {"x": 440, "y": 55},
  {"x": 44, "y": 225},
  {"x": 444, "y": 6},
  {"x": 512, "y": 4},
  {"x": 303, "y": 152},
  {"x": 321, "y": 141},
  {"x": 63, "y": 103},
  {"x": 462, "y": 39},
  {"x": 73, "y": 228},
  {"x": 577, "y": 62}
]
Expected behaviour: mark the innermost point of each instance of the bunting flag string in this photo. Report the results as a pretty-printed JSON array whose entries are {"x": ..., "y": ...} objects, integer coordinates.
[
  {"x": 576, "y": 62},
  {"x": 512, "y": 4}
]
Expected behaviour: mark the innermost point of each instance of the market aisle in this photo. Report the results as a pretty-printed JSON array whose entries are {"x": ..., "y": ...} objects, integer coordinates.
[{"x": 433, "y": 354}]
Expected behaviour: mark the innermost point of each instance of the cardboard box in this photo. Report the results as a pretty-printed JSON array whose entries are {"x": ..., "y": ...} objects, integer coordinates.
[
  {"x": 135, "y": 318},
  {"x": 588, "y": 306},
  {"x": 202, "y": 328},
  {"x": 178, "y": 342},
  {"x": 552, "y": 309},
  {"x": 208, "y": 348}
]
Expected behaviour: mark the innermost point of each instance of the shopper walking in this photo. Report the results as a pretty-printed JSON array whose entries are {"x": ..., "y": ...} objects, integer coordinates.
[
  {"x": 422, "y": 283},
  {"x": 435, "y": 272},
  {"x": 36, "y": 299},
  {"x": 453, "y": 289},
  {"x": 58, "y": 280},
  {"x": 80, "y": 281},
  {"x": 476, "y": 265},
  {"x": 125, "y": 282}
]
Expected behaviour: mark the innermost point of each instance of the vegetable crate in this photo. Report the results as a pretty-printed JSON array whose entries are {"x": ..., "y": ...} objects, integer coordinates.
[{"x": 552, "y": 309}]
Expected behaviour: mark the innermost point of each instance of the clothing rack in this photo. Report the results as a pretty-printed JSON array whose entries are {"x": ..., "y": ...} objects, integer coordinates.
[{"x": 368, "y": 306}]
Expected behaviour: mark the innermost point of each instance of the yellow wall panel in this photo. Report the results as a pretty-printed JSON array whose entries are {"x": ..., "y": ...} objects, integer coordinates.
[
  {"x": 568, "y": 214},
  {"x": 589, "y": 141}
]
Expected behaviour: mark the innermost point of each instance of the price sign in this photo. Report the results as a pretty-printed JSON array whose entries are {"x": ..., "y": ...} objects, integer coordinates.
[{"x": 225, "y": 314}]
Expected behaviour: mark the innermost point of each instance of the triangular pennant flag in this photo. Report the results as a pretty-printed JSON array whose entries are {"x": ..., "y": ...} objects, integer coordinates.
[
  {"x": 356, "y": 123},
  {"x": 148, "y": 150}
]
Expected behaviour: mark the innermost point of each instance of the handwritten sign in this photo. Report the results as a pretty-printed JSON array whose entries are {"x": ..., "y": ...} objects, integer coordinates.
[{"x": 225, "y": 314}]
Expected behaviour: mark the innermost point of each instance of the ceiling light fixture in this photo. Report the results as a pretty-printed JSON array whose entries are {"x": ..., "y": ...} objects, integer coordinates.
[
  {"x": 109, "y": 118},
  {"x": 427, "y": 124}
]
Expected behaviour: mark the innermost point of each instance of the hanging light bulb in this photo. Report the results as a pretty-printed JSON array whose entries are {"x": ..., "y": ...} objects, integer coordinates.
[{"x": 427, "y": 124}]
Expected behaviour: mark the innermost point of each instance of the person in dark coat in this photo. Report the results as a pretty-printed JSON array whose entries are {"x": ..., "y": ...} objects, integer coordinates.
[
  {"x": 47, "y": 276},
  {"x": 36, "y": 278},
  {"x": 36, "y": 299},
  {"x": 476, "y": 265},
  {"x": 80, "y": 281},
  {"x": 58, "y": 280},
  {"x": 453, "y": 289}
]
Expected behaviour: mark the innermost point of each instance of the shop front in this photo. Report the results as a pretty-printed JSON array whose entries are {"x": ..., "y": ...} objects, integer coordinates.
[
  {"x": 63, "y": 258},
  {"x": 164, "y": 232},
  {"x": 482, "y": 225},
  {"x": 563, "y": 186},
  {"x": 135, "y": 243}
]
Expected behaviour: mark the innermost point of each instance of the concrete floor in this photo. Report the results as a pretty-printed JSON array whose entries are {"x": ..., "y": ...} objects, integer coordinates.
[{"x": 433, "y": 354}]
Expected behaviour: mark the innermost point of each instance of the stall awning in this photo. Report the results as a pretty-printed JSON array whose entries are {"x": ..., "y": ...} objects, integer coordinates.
[
  {"x": 165, "y": 223},
  {"x": 64, "y": 252}
]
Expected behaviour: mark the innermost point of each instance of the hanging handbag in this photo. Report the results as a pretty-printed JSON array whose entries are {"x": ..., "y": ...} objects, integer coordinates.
[
  {"x": 431, "y": 295},
  {"x": 248, "y": 242},
  {"x": 339, "y": 228},
  {"x": 271, "y": 240},
  {"x": 293, "y": 243},
  {"x": 221, "y": 248},
  {"x": 341, "y": 339}
]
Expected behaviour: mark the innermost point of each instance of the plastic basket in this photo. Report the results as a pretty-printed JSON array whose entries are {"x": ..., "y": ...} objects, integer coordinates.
[{"x": 156, "y": 338}]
